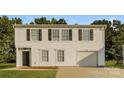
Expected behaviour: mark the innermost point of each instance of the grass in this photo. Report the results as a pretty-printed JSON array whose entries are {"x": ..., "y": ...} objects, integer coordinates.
[
  {"x": 113, "y": 63},
  {"x": 7, "y": 65},
  {"x": 4, "y": 73},
  {"x": 26, "y": 74}
]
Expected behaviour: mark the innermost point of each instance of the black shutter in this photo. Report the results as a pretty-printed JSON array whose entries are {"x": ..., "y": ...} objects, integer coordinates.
[
  {"x": 40, "y": 34},
  {"x": 49, "y": 35},
  {"x": 80, "y": 34},
  {"x": 28, "y": 35},
  {"x": 91, "y": 34},
  {"x": 70, "y": 34}
]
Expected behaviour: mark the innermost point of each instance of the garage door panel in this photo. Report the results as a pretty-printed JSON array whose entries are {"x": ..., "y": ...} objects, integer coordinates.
[{"x": 87, "y": 58}]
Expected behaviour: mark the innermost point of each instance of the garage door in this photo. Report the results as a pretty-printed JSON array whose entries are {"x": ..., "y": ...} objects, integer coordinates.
[{"x": 87, "y": 58}]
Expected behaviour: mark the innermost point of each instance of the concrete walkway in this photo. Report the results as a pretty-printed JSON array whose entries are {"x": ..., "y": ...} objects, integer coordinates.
[
  {"x": 13, "y": 68},
  {"x": 89, "y": 72},
  {"x": 31, "y": 69}
]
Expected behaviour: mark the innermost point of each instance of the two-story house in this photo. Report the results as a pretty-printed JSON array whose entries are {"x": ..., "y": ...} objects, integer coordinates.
[{"x": 60, "y": 45}]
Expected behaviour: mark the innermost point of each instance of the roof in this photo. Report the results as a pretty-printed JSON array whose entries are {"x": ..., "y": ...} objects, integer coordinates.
[{"x": 56, "y": 26}]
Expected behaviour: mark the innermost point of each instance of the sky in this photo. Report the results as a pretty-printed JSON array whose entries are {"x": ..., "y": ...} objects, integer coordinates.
[{"x": 71, "y": 19}]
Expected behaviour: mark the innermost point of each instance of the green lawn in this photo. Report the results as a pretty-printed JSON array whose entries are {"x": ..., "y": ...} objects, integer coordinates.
[
  {"x": 7, "y": 65},
  {"x": 26, "y": 74},
  {"x": 4, "y": 73},
  {"x": 114, "y": 64}
]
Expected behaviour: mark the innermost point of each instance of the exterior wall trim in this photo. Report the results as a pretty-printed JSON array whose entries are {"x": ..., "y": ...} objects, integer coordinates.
[{"x": 57, "y": 26}]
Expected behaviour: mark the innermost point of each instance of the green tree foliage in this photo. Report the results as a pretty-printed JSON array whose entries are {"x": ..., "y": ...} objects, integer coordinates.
[
  {"x": 41, "y": 20},
  {"x": 114, "y": 38},
  {"x": 7, "y": 49},
  {"x": 16, "y": 21},
  {"x": 62, "y": 21},
  {"x": 44, "y": 20},
  {"x": 54, "y": 21},
  {"x": 31, "y": 22}
]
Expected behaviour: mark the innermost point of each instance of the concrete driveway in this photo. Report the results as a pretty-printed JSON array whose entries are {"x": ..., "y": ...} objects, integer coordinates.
[{"x": 89, "y": 72}]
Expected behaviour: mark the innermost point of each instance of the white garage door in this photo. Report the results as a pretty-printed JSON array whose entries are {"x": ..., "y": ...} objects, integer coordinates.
[{"x": 87, "y": 58}]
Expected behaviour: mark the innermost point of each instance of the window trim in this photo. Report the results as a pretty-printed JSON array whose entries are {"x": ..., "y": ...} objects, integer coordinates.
[
  {"x": 61, "y": 57},
  {"x": 88, "y": 34},
  {"x": 65, "y": 32},
  {"x": 39, "y": 38},
  {"x": 52, "y": 36},
  {"x": 68, "y": 35},
  {"x": 47, "y": 55}
]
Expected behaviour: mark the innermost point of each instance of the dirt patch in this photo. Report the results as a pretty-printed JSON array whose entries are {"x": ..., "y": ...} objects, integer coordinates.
[{"x": 89, "y": 72}]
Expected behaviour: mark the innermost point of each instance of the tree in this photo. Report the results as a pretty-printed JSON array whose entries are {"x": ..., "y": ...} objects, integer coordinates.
[
  {"x": 76, "y": 24},
  {"x": 118, "y": 38},
  {"x": 109, "y": 52},
  {"x": 7, "y": 49},
  {"x": 62, "y": 21},
  {"x": 113, "y": 38},
  {"x": 54, "y": 21},
  {"x": 41, "y": 20},
  {"x": 44, "y": 20},
  {"x": 16, "y": 20},
  {"x": 116, "y": 25},
  {"x": 31, "y": 22}
]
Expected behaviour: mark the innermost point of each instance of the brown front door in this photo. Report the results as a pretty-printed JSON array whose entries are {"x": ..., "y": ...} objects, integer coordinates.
[{"x": 26, "y": 58}]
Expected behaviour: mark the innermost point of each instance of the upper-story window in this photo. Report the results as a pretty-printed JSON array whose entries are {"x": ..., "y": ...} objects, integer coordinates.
[
  {"x": 66, "y": 34},
  {"x": 53, "y": 34},
  {"x": 34, "y": 34},
  {"x": 86, "y": 34}
]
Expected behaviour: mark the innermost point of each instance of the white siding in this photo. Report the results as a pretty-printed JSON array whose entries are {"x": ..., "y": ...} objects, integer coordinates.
[
  {"x": 101, "y": 57},
  {"x": 69, "y": 47}
]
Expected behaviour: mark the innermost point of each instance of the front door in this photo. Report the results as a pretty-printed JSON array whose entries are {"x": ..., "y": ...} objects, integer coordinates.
[{"x": 26, "y": 58}]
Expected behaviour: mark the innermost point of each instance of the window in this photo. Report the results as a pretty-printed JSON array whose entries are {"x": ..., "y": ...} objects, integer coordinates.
[
  {"x": 60, "y": 55},
  {"x": 67, "y": 34},
  {"x": 45, "y": 55},
  {"x": 53, "y": 34},
  {"x": 36, "y": 34},
  {"x": 86, "y": 34}
]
